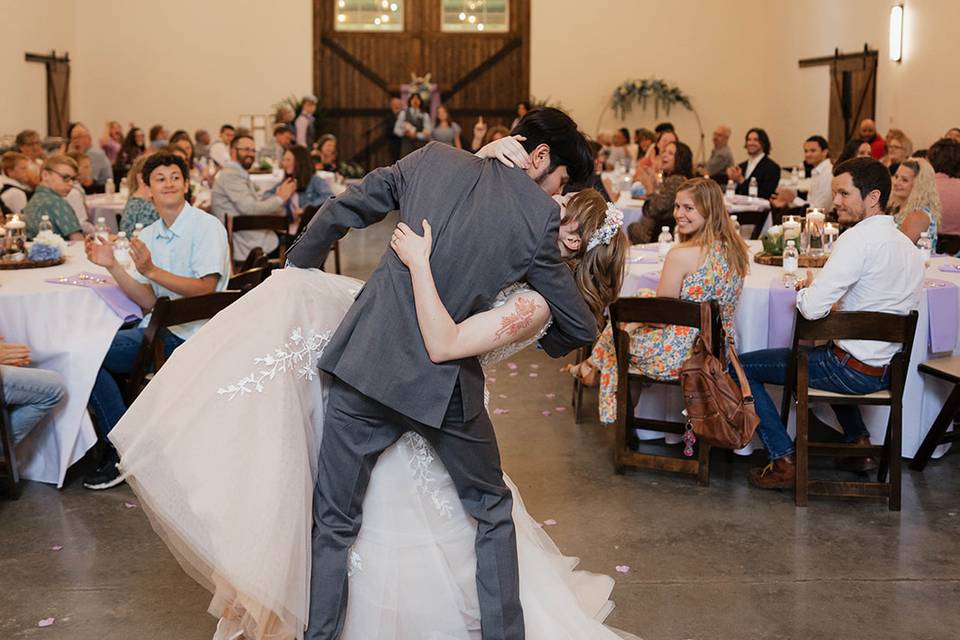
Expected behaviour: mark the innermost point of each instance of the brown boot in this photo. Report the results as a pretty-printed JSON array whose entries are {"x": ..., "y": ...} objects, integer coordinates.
[
  {"x": 779, "y": 474},
  {"x": 857, "y": 463}
]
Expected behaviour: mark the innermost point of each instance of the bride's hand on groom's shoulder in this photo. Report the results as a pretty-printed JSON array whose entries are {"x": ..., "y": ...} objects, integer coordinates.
[
  {"x": 507, "y": 150},
  {"x": 412, "y": 249}
]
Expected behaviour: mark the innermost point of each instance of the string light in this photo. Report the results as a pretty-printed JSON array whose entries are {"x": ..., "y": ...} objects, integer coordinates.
[
  {"x": 472, "y": 19},
  {"x": 480, "y": 27},
  {"x": 341, "y": 18},
  {"x": 393, "y": 7}
]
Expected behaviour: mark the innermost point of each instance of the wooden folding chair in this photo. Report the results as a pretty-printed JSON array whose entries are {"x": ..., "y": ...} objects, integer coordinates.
[
  {"x": 169, "y": 313},
  {"x": 258, "y": 223},
  {"x": 577, "y": 400},
  {"x": 10, "y": 476},
  {"x": 947, "y": 369},
  {"x": 247, "y": 280},
  {"x": 858, "y": 325},
  {"x": 703, "y": 316}
]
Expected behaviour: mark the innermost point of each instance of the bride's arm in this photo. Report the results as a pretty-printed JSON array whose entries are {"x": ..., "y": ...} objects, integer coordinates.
[{"x": 521, "y": 317}]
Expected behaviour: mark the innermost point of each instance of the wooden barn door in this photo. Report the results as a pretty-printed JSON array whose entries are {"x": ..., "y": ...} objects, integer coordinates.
[{"x": 356, "y": 73}]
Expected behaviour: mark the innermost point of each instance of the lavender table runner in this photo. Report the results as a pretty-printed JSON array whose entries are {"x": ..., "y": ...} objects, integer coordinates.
[
  {"x": 942, "y": 303},
  {"x": 781, "y": 315},
  {"x": 108, "y": 291}
]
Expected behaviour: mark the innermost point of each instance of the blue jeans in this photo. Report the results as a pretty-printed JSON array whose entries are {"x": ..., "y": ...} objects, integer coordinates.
[
  {"x": 30, "y": 394},
  {"x": 106, "y": 398},
  {"x": 827, "y": 372}
]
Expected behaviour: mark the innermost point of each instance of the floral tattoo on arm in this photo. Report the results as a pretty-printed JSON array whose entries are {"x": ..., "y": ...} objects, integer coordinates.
[{"x": 522, "y": 318}]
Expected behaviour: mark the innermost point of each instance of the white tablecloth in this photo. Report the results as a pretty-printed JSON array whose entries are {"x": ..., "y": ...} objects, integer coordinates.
[
  {"x": 264, "y": 181},
  {"x": 68, "y": 330},
  {"x": 923, "y": 396},
  {"x": 107, "y": 207}
]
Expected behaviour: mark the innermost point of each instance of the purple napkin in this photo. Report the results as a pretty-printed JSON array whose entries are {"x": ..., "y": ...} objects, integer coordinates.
[
  {"x": 781, "y": 315},
  {"x": 653, "y": 246},
  {"x": 949, "y": 268},
  {"x": 643, "y": 260},
  {"x": 108, "y": 291},
  {"x": 942, "y": 301},
  {"x": 633, "y": 282}
]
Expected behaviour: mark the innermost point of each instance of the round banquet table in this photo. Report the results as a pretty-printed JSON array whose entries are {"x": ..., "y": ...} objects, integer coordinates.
[
  {"x": 764, "y": 319},
  {"x": 68, "y": 330},
  {"x": 107, "y": 207}
]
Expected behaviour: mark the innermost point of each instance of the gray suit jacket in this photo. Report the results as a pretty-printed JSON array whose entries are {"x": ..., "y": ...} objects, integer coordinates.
[
  {"x": 492, "y": 226},
  {"x": 234, "y": 195}
]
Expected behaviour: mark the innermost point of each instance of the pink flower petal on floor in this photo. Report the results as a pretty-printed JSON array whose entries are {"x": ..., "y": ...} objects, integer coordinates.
[
  {"x": 622, "y": 568},
  {"x": 545, "y": 414},
  {"x": 551, "y": 396},
  {"x": 534, "y": 375},
  {"x": 129, "y": 505},
  {"x": 56, "y": 547},
  {"x": 502, "y": 395},
  {"x": 511, "y": 365},
  {"x": 534, "y": 366},
  {"x": 46, "y": 622},
  {"x": 538, "y": 525},
  {"x": 491, "y": 380},
  {"x": 560, "y": 409},
  {"x": 500, "y": 412},
  {"x": 550, "y": 522},
  {"x": 513, "y": 374}
]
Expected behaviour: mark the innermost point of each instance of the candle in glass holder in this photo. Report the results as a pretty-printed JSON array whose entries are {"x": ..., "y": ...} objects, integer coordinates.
[
  {"x": 791, "y": 229},
  {"x": 815, "y": 219},
  {"x": 16, "y": 234},
  {"x": 830, "y": 233}
]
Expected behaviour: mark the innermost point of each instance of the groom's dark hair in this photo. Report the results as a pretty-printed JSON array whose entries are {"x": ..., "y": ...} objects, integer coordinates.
[{"x": 568, "y": 146}]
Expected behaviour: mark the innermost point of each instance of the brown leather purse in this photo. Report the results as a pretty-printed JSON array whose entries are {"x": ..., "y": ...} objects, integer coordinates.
[{"x": 718, "y": 411}]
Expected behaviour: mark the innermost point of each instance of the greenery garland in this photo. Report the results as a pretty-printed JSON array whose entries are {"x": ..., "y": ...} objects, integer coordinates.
[{"x": 640, "y": 91}]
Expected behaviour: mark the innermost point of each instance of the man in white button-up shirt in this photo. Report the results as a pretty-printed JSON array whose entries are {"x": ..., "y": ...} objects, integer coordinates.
[
  {"x": 873, "y": 267},
  {"x": 816, "y": 153}
]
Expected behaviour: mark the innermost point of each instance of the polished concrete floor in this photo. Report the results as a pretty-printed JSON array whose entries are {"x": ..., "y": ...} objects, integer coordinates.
[{"x": 721, "y": 563}]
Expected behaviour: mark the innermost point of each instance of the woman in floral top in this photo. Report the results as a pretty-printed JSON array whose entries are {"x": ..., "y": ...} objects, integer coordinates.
[
  {"x": 709, "y": 263},
  {"x": 139, "y": 208}
]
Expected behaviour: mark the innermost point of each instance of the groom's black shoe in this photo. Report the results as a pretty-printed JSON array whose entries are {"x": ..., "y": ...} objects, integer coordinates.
[{"x": 107, "y": 475}]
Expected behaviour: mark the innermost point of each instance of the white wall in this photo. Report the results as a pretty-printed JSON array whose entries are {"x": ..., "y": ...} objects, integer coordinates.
[
  {"x": 738, "y": 61},
  {"x": 37, "y": 26}
]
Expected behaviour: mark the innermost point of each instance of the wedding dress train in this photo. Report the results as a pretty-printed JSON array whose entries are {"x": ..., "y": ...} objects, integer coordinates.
[{"x": 221, "y": 449}]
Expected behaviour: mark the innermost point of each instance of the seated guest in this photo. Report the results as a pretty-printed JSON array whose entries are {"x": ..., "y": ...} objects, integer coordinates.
[
  {"x": 944, "y": 156},
  {"x": 642, "y": 140},
  {"x": 618, "y": 150},
  {"x": 325, "y": 154},
  {"x": 181, "y": 140},
  {"x": 446, "y": 131},
  {"x": 953, "y": 134},
  {"x": 220, "y": 150},
  {"x": 312, "y": 190},
  {"x": 600, "y": 184},
  {"x": 29, "y": 144},
  {"x": 914, "y": 203},
  {"x": 522, "y": 108},
  {"x": 816, "y": 154},
  {"x": 202, "y": 148},
  {"x": 159, "y": 136},
  {"x": 651, "y": 158},
  {"x": 283, "y": 139},
  {"x": 394, "y": 141},
  {"x": 80, "y": 140},
  {"x": 868, "y": 133},
  {"x": 306, "y": 122},
  {"x": 676, "y": 164},
  {"x": 131, "y": 149},
  {"x": 413, "y": 126},
  {"x": 139, "y": 208},
  {"x": 234, "y": 195},
  {"x": 77, "y": 198},
  {"x": 757, "y": 165},
  {"x": 30, "y": 393},
  {"x": 14, "y": 177},
  {"x": 899, "y": 148},
  {"x": 183, "y": 254},
  {"x": 284, "y": 115},
  {"x": 57, "y": 176},
  {"x": 721, "y": 157},
  {"x": 709, "y": 263},
  {"x": 855, "y": 148},
  {"x": 112, "y": 140},
  {"x": 873, "y": 267}
]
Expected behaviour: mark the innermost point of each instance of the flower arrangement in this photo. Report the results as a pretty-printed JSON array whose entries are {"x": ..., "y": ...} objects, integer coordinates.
[
  {"x": 420, "y": 85},
  {"x": 47, "y": 246},
  {"x": 632, "y": 92},
  {"x": 773, "y": 241}
]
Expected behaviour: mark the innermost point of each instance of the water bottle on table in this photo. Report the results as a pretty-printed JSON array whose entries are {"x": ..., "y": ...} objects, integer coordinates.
[
  {"x": 731, "y": 189},
  {"x": 111, "y": 188},
  {"x": 664, "y": 243},
  {"x": 736, "y": 224},
  {"x": 45, "y": 225},
  {"x": 101, "y": 232},
  {"x": 754, "y": 190},
  {"x": 926, "y": 247},
  {"x": 791, "y": 263}
]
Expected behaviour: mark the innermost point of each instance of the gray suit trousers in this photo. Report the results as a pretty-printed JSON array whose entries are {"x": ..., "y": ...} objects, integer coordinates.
[{"x": 357, "y": 430}]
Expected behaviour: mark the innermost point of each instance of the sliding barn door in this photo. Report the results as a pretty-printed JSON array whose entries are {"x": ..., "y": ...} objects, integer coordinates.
[{"x": 356, "y": 72}]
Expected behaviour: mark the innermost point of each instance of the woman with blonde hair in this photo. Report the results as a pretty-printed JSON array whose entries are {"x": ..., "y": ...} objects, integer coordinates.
[
  {"x": 709, "y": 262},
  {"x": 914, "y": 202}
]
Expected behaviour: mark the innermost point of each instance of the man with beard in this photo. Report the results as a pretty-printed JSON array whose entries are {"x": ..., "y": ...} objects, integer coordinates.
[{"x": 234, "y": 195}]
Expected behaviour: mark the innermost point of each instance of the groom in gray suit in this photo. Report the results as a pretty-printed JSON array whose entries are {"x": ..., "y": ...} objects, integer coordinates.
[{"x": 493, "y": 226}]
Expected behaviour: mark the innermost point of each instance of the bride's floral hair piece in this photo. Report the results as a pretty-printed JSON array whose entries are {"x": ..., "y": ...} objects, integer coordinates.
[{"x": 611, "y": 226}]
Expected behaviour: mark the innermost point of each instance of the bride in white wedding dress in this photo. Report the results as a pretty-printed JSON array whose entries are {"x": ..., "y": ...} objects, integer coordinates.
[{"x": 221, "y": 449}]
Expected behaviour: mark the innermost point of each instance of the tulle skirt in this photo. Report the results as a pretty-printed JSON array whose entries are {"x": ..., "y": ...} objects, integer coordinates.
[{"x": 221, "y": 449}]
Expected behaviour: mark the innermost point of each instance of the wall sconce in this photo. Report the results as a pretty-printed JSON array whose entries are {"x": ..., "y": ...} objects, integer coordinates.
[{"x": 896, "y": 32}]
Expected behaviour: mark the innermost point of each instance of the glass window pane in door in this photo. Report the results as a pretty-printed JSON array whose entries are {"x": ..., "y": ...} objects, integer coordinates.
[
  {"x": 476, "y": 16},
  {"x": 368, "y": 15}
]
